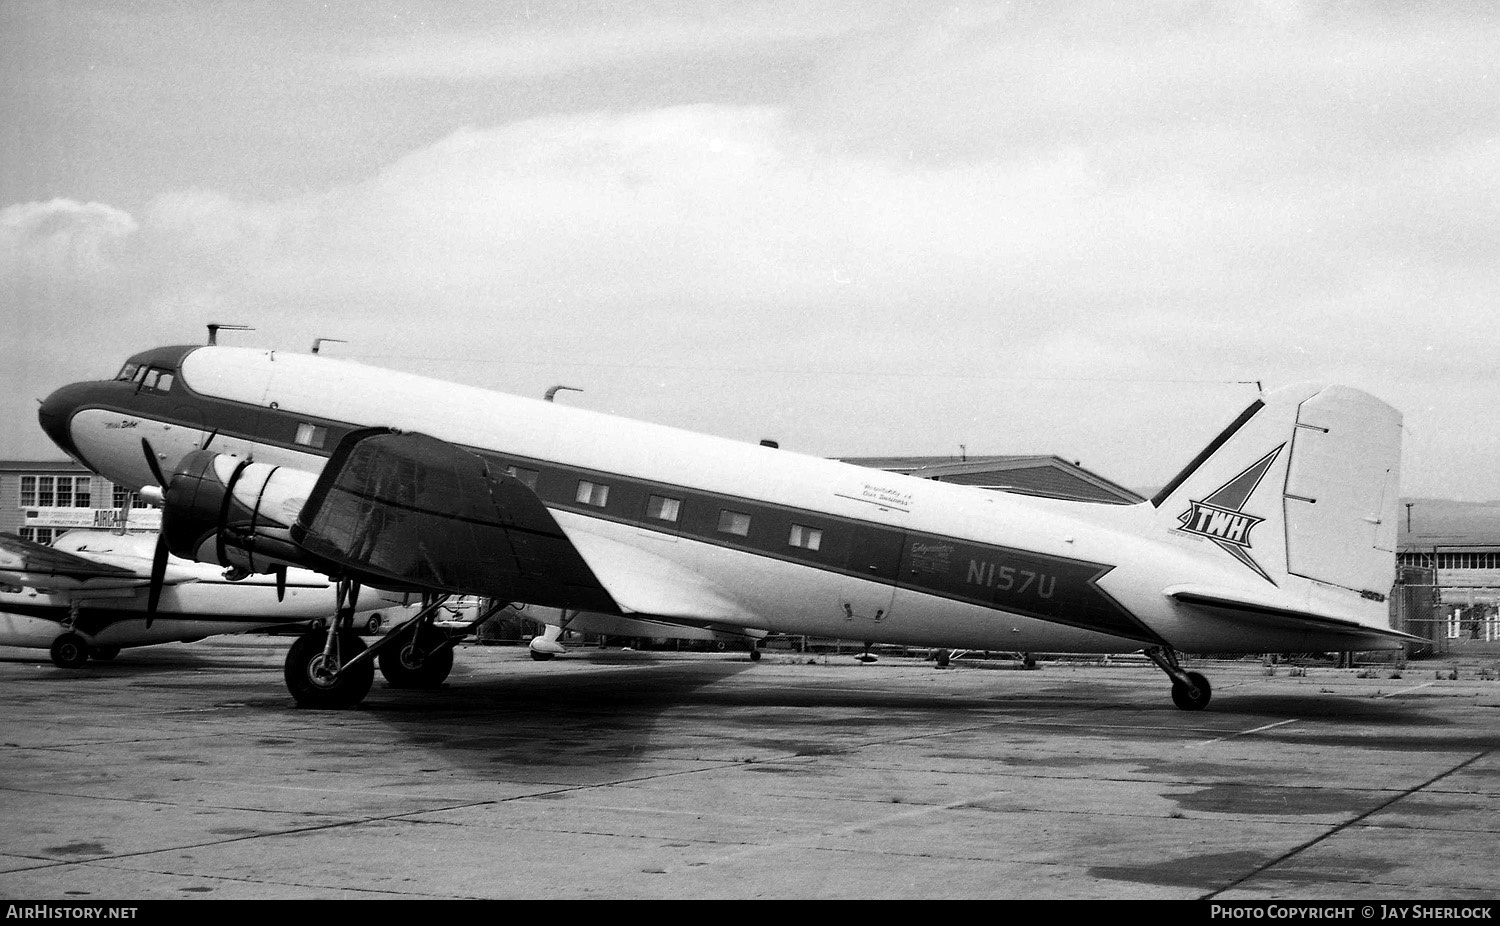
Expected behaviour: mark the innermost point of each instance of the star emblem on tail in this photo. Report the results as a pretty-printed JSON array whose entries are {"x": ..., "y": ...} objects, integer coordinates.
[{"x": 1220, "y": 516}]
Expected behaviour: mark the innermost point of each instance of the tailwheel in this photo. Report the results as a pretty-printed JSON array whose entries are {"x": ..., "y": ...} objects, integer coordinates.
[
  {"x": 423, "y": 660},
  {"x": 327, "y": 681},
  {"x": 1190, "y": 690},
  {"x": 69, "y": 651},
  {"x": 1194, "y": 695}
]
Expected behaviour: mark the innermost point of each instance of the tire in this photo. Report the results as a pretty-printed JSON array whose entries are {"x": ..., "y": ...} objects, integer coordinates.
[
  {"x": 1184, "y": 700},
  {"x": 418, "y": 662},
  {"x": 311, "y": 689},
  {"x": 373, "y": 625},
  {"x": 69, "y": 651}
]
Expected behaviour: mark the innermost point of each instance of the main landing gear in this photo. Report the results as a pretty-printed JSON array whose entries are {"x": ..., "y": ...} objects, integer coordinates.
[
  {"x": 1190, "y": 690},
  {"x": 332, "y": 669},
  {"x": 69, "y": 651}
]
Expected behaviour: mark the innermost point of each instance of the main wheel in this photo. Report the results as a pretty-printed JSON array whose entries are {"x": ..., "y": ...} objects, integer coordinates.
[
  {"x": 69, "y": 651},
  {"x": 1184, "y": 697},
  {"x": 103, "y": 653},
  {"x": 312, "y": 680},
  {"x": 419, "y": 662}
]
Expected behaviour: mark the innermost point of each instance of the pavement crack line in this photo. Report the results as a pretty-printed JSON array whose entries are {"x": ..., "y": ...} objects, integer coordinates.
[{"x": 1297, "y": 850}]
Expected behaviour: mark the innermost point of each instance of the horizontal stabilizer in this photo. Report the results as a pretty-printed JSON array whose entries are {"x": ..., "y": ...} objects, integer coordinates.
[{"x": 1276, "y": 610}]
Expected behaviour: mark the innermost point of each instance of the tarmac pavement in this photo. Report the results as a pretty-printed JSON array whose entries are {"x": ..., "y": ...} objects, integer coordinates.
[{"x": 186, "y": 771}]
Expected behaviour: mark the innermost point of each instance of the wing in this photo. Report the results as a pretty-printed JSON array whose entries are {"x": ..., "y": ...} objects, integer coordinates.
[
  {"x": 27, "y": 563},
  {"x": 412, "y": 511}
]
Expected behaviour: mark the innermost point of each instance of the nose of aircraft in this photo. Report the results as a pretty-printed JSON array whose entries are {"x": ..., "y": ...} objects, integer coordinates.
[{"x": 56, "y": 417}]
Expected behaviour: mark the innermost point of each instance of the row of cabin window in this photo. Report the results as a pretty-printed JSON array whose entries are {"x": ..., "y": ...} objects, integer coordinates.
[{"x": 666, "y": 508}]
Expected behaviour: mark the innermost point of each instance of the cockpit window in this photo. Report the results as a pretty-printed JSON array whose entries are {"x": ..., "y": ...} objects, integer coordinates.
[
  {"x": 157, "y": 380},
  {"x": 127, "y": 372}
]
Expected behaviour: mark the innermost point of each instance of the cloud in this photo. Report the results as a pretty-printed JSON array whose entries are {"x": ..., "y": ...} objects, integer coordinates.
[{"x": 61, "y": 239}]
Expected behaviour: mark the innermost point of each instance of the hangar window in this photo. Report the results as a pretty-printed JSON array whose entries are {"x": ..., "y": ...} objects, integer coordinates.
[
  {"x": 119, "y": 495},
  {"x": 56, "y": 492},
  {"x": 734, "y": 522},
  {"x": 528, "y": 477},
  {"x": 808, "y": 538},
  {"x": 593, "y": 493},
  {"x": 311, "y": 435},
  {"x": 663, "y": 508}
]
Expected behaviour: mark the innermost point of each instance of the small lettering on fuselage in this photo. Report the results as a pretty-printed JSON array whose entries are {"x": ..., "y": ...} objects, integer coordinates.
[
  {"x": 931, "y": 559},
  {"x": 883, "y": 496},
  {"x": 127, "y": 423}
]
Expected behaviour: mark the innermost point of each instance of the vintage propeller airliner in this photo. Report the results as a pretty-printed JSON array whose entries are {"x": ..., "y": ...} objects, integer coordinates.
[{"x": 1278, "y": 537}]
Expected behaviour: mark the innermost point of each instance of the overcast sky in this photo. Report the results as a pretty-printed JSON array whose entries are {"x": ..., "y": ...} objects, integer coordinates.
[{"x": 1087, "y": 229}]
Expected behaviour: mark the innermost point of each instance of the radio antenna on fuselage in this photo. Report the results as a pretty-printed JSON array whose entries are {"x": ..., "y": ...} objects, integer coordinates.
[
  {"x": 214, "y": 329},
  {"x": 552, "y": 393},
  {"x": 318, "y": 342}
]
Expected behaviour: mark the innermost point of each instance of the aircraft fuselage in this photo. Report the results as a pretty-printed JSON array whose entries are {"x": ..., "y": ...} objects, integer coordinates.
[{"x": 726, "y": 531}]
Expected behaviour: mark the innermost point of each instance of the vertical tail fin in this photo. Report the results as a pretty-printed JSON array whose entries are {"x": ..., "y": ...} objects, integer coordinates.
[{"x": 1303, "y": 490}]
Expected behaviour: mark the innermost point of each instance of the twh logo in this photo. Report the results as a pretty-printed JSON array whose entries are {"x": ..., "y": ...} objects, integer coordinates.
[{"x": 1221, "y": 518}]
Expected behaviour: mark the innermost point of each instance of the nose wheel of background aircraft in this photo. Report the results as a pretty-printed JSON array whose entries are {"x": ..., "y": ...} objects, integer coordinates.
[{"x": 320, "y": 678}]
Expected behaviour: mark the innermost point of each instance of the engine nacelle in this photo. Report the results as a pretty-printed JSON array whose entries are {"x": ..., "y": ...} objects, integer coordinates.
[{"x": 222, "y": 509}]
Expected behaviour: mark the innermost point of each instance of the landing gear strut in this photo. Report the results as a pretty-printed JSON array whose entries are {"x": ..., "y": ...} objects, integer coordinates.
[
  {"x": 1190, "y": 690},
  {"x": 328, "y": 669}
]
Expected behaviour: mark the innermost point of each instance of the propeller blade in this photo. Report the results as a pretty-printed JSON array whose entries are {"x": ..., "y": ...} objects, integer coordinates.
[
  {"x": 151, "y": 461},
  {"x": 280, "y": 583},
  {"x": 158, "y": 578}
]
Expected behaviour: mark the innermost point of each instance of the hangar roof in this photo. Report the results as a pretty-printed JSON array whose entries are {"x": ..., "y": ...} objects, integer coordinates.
[{"x": 1046, "y": 476}]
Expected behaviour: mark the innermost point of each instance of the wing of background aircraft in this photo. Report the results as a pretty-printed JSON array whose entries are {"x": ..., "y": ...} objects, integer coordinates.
[
  {"x": 28, "y": 563},
  {"x": 87, "y": 597}
]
